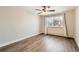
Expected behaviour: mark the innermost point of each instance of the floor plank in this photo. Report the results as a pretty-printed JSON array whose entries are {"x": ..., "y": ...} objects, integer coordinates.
[{"x": 42, "y": 43}]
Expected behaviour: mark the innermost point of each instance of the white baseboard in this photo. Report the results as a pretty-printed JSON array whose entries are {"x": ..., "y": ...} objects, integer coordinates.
[
  {"x": 10, "y": 42},
  {"x": 77, "y": 39}
]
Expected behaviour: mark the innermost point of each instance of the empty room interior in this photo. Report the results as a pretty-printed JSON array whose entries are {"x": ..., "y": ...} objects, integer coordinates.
[{"x": 39, "y": 29}]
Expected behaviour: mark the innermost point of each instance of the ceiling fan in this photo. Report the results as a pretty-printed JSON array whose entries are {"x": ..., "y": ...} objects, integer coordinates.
[{"x": 45, "y": 9}]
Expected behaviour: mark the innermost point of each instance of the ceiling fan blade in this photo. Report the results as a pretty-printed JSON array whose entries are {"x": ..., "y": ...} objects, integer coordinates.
[
  {"x": 51, "y": 10},
  {"x": 38, "y": 10},
  {"x": 40, "y": 13}
]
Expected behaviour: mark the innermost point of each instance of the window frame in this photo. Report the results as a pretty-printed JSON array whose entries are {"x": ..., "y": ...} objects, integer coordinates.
[{"x": 54, "y": 16}]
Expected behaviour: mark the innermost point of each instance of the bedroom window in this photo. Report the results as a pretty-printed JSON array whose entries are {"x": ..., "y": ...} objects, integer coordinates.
[{"x": 54, "y": 21}]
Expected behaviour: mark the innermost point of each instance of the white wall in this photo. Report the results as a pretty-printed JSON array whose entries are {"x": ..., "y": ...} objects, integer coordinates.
[
  {"x": 60, "y": 31},
  {"x": 77, "y": 26},
  {"x": 42, "y": 24},
  {"x": 16, "y": 23},
  {"x": 70, "y": 21}
]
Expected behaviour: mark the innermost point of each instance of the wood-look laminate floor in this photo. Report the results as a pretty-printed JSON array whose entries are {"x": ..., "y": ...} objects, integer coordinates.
[{"x": 42, "y": 43}]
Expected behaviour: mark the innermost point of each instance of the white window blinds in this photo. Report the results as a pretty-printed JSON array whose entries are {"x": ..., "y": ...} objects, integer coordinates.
[{"x": 54, "y": 21}]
